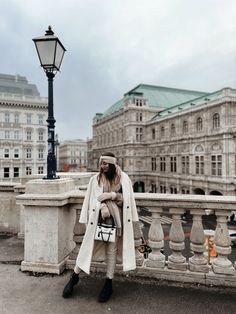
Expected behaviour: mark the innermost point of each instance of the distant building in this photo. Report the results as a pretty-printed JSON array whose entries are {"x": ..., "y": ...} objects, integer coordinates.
[
  {"x": 171, "y": 140},
  {"x": 23, "y": 133},
  {"x": 73, "y": 156}
]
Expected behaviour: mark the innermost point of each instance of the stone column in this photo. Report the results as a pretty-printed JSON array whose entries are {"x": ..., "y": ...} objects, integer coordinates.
[
  {"x": 222, "y": 265},
  {"x": 176, "y": 260},
  {"x": 156, "y": 241},
  {"x": 198, "y": 262},
  {"x": 49, "y": 222}
]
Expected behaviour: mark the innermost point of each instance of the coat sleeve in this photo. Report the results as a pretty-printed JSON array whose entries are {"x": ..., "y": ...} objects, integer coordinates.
[{"x": 85, "y": 207}]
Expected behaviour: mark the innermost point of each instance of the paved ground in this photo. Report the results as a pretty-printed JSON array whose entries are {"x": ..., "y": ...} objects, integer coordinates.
[{"x": 25, "y": 293}]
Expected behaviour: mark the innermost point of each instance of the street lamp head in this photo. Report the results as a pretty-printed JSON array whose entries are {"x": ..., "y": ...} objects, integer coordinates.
[{"x": 50, "y": 51}]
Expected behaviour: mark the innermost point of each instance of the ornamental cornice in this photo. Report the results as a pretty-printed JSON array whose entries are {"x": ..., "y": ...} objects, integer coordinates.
[{"x": 23, "y": 104}]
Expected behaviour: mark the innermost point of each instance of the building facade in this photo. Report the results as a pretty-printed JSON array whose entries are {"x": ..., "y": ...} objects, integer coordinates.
[
  {"x": 73, "y": 156},
  {"x": 171, "y": 140},
  {"x": 23, "y": 133}
]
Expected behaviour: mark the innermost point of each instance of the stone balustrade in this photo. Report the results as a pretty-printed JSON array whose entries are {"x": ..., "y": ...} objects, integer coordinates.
[
  {"x": 53, "y": 234},
  {"x": 176, "y": 266},
  {"x": 10, "y": 213}
]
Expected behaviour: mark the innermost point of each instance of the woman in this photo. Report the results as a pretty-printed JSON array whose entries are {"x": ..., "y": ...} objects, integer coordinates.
[{"x": 110, "y": 195}]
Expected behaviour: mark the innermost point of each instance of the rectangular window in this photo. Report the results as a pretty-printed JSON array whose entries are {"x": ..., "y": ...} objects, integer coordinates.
[
  {"x": 28, "y": 152},
  {"x": 162, "y": 188},
  {"x": 139, "y": 116},
  {"x": 162, "y": 164},
  {"x": 185, "y": 164},
  {"x": 6, "y": 172},
  {"x": 28, "y": 171},
  {"x": 40, "y": 119},
  {"x": 7, "y": 134},
  {"x": 216, "y": 165},
  {"x": 7, "y": 117},
  {"x": 29, "y": 118},
  {"x": 28, "y": 135},
  {"x": 139, "y": 102},
  {"x": 173, "y": 190},
  {"x": 16, "y": 118},
  {"x": 40, "y": 135},
  {"x": 153, "y": 134},
  {"x": 16, "y": 172},
  {"x": 139, "y": 134},
  {"x": 16, "y": 135},
  {"x": 199, "y": 164},
  {"x": 173, "y": 165},
  {"x": 153, "y": 188},
  {"x": 16, "y": 153},
  {"x": 6, "y": 153},
  {"x": 40, "y": 153},
  {"x": 154, "y": 165},
  {"x": 40, "y": 170}
]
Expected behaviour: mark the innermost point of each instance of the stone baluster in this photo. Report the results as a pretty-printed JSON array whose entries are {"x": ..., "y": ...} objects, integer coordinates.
[
  {"x": 222, "y": 265},
  {"x": 176, "y": 260},
  {"x": 156, "y": 241},
  {"x": 198, "y": 262}
]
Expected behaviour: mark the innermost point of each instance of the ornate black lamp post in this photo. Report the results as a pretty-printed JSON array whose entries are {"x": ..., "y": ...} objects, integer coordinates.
[{"x": 50, "y": 52}]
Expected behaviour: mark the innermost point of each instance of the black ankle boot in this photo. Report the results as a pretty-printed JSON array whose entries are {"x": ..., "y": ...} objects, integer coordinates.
[
  {"x": 68, "y": 290},
  {"x": 106, "y": 291}
]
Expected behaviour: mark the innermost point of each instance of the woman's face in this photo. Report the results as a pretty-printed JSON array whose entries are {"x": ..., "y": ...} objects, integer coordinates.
[{"x": 104, "y": 166}]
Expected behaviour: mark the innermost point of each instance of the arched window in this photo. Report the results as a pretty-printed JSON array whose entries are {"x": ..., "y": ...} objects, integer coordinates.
[
  {"x": 216, "y": 121},
  {"x": 199, "y": 124},
  {"x": 185, "y": 127}
]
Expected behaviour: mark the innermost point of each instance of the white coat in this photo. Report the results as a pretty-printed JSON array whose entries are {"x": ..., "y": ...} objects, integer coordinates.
[{"x": 89, "y": 215}]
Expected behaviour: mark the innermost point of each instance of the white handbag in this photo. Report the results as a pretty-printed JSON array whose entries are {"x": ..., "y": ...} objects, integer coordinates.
[{"x": 105, "y": 232}]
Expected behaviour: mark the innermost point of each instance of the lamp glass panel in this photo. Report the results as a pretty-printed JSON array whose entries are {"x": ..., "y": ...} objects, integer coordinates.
[
  {"x": 46, "y": 51},
  {"x": 59, "y": 55}
]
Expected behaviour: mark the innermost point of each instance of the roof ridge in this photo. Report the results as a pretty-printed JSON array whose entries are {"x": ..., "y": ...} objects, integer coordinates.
[{"x": 164, "y": 88}]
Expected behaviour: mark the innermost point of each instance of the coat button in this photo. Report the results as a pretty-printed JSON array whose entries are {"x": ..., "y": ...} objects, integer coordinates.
[
  {"x": 127, "y": 206},
  {"x": 91, "y": 223},
  {"x": 128, "y": 220},
  {"x": 93, "y": 210}
]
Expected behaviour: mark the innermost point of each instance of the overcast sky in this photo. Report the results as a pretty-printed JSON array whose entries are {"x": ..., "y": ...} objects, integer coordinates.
[{"x": 114, "y": 45}]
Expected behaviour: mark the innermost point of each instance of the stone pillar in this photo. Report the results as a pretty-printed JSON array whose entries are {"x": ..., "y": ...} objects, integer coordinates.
[
  {"x": 156, "y": 241},
  {"x": 198, "y": 262},
  {"x": 49, "y": 222},
  {"x": 176, "y": 260},
  {"x": 222, "y": 265}
]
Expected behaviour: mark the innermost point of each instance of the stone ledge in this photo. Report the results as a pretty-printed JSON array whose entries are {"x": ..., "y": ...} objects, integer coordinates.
[{"x": 170, "y": 275}]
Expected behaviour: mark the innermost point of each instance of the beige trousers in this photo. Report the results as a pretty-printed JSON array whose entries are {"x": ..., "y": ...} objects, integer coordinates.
[{"x": 111, "y": 253}]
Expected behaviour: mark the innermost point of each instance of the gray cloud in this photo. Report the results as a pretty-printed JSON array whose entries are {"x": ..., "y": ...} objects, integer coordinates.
[{"x": 114, "y": 45}]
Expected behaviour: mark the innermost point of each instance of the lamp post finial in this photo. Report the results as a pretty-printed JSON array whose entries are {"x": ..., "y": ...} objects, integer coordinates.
[{"x": 49, "y": 31}]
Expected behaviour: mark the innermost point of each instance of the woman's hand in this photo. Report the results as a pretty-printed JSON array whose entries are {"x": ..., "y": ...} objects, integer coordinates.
[
  {"x": 105, "y": 212},
  {"x": 106, "y": 196}
]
